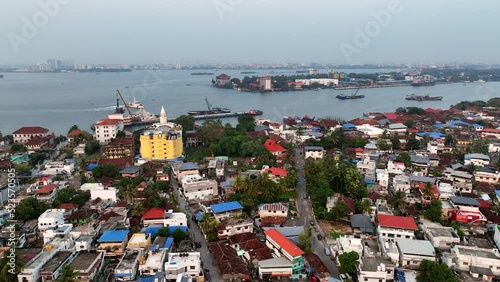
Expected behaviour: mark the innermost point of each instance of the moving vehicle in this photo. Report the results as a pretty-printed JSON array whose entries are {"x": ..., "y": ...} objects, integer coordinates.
[{"x": 327, "y": 251}]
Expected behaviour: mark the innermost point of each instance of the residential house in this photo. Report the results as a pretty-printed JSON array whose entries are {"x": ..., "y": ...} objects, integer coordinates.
[
  {"x": 119, "y": 148},
  {"x": 412, "y": 252},
  {"x": 274, "y": 148},
  {"x": 226, "y": 210},
  {"x": 397, "y": 128},
  {"x": 113, "y": 242},
  {"x": 361, "y": 225},
  {"x": 375, "y": 269},
  {"x": 275, "y": 267},
  {"x": 464, "y": 257},
  {"x": 420, "y": 163},
  {"x": 346, "y": 244},
  {"x": 232, "y": 226},
  {"x": 391, "y": 226},
  {"x": 47, "y": 193},
  {"x": 487, "y": 174},
  {"x": 139, "y": 241},
  {"x": 84, "y": 243},
  {"x": 126, "y": 270},
  {"x": 435, "y": 147},
  {"x": 73, "y": 134},
  {"x": 50, "y": 218},
  {"x": 185, "y": 169},
  {"x": 494, "y": 147},
  {"x": 152, "y": 261},
  {"x": 160, "y": 216},
  {"x": 382, "y": 177},
  {"x": 441, "y": 237},
  {"x": 192, "y": 139},
  {"x": 195, "y": 187},
  {"x": 131, "y": 172},
  {"x": 230, "y": 265},
  {"x": 188, "y": 263},
  {"x": 273, "y": 210},
  {"x": 275, "y": 173},
  {"x": 58, "y": 167},
  {"x": 395, "y": 167},
  {"x": 222, "y": 80},
  {"x": 402, "y": 183},
  {"x": 331, "y": 201},
  {"x": 367, "y": 168},
  {"x": 87, "y": 265},
  {"x": 478, "y": 160},
  {"x": 446, "y": 191},
  {"x": 79, "y": 150},
  {"x": 313, "y": 152},
  {"x": 283, "y": 247}
]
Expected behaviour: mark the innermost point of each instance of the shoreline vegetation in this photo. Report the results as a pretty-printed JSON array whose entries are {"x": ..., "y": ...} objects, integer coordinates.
[{"x": 353, "y": 81}]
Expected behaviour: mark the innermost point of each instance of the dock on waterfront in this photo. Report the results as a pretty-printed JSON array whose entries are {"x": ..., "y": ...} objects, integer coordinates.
[{"x": 221, "y": 115}]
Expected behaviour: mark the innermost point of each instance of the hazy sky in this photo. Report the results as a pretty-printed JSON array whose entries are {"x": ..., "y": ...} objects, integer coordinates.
[{"x": 217, "y": 31}]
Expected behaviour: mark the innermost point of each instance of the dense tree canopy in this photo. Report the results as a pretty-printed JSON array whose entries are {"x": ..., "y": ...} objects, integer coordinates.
[
  {"x": 70, "y": 195},
  {"x": 103, "y": 170},
  {"x": 348, "y": 262},
  {"x": 435, "y": 272},
  {"x": 187, "y": 122},
  {"x": 30, "y": 208}
]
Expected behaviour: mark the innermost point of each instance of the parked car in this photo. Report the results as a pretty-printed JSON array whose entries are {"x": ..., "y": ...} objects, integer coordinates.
[
  {"x": 327, "y": 251},
  {"x": 197, "y": 245}
]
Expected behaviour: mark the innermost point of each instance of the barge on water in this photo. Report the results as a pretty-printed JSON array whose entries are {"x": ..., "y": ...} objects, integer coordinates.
[
  {"x": 227, "y": 115},
  {"x": 211, "y": 110},
  {"x": 414, "y": 97}
]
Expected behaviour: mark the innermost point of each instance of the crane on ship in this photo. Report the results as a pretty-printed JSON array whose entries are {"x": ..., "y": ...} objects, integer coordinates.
[
  {"x": 124, "y": 103},
  {"x": 208, "y": 104}
]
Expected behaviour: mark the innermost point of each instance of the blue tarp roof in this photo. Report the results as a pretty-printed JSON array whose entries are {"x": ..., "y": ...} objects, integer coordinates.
[
  {"x": 171, "y": 229},
  {"x": 91, "y": 167},
  {"x": 369, "y": 181},
  {"x": 146, "y": 279},
  {"x": 434, "y": 135},
  {"x": 497, "y": 192},
  {"x": 168, "y": 243},
  {"x": 224, "y": 207},
  {"x": 153, "y": 230},
  {"x": 438, "y": 125},
  {"x": 348, "y": 125},
  {"x": 113, "y": 236}
]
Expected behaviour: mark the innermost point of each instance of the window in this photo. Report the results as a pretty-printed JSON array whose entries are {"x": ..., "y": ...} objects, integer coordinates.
[
  {"x": 366, "y": 279},
  {"x": 466, "y": 263},
  {"x": 192, "y": 267}
]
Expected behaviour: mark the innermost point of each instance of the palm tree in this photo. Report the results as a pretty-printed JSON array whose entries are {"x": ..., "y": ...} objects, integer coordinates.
[
  {"x": 138, "y": 210},
  {"x": 240, "y": 184},
  {"x": 263, "y": 182},
  {"x": 399, "y": 200},
  {"x": 68, "y": 274},
  {"x": 364, "y": 207},
  {"x": 208, "y": 223},
  {"x": 5, "y": 267},
  {"x": 427, "y": 193},
  {"x": 129, "y": 194},
  {"x": 471, "y": 167},
  {"x": 268, "y": 195}
]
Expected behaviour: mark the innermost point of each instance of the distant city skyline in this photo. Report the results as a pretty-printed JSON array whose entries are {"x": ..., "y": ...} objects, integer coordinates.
[{"x": 244, "y": 32}]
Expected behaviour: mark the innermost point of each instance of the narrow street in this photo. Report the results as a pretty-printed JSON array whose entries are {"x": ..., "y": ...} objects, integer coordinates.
[
  {"x": 196, "y": 234},
  {"x": 306, "y": 212}
]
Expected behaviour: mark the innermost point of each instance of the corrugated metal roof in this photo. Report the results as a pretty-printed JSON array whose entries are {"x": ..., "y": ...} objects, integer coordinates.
[{"x": 113, "y": 236}]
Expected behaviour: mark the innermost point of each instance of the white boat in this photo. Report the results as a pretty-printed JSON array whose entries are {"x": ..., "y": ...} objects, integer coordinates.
[{"x": 135, "y": 104}]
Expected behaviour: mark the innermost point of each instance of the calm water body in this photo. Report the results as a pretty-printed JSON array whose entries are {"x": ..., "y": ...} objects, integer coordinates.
[{"x": 59, "y": 100}]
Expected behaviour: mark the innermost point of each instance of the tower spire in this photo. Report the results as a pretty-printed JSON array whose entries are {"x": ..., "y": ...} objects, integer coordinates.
[{"x": 163, "y": 116}]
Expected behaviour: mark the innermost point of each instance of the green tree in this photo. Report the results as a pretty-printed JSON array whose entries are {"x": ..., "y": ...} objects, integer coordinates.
[
  {"x": 30, "y": 208},
  {"x": 383, "y": 145},
  {"x": 160, "y": 186},
  {"x": 187, "y": 122},
  {"x": 364, "y": 207},
  {"x": 18, "y": 148},
  {"x": 435, "y": 272},
  {"x": 413, "y": 144},
  {"x": 405, "y": 158},
  {"x": 305, "y": 241},
  {"x": 246, "y": 123},
  {"x": 103, "y": 170},
  {"x": 356, "y": 183},
  {"x": 70, "y": 195},
  {"x": 459, "y": 231},
  {"x": 450, "y": 140},
  {"x": 208, "y": 223},
  {"x": 67, "y": 274},
  {"x": 479, "y": 146},
  {"x": 73, "y": 127},
  {"x": 92, "y": 147},
  {"x": 409, "y": 123},
  {"x": 163, "y": 232},
  {"x": 121, "y": 134},
  {"x": 210, "y": 130},
  {"x": 434, "y": 210},
  {"x": 399, "y": 201},
  {"x": 6, "y": 274},
  {"x": 179, "y": 235},
  {"x": 339, "y": 211},
  {"x": 348, "y": 262},
  {"x": 22, "y": 168},
  {"x": 396, "y": 144},
  {"x": 138, "y": 210}
]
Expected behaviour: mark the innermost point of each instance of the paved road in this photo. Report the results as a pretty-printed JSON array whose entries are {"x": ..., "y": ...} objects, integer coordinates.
[
  {"x": 306, "y": 212},
  {"x": 196, "y": 235}
]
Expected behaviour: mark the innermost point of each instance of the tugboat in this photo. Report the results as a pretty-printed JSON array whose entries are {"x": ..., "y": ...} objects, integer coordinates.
[
  {"x": 414, "y": 97},
  {"x": 254, "y": 113},
  {"x": 211, "y": 110},
  {"x": 351, "y": 97}
]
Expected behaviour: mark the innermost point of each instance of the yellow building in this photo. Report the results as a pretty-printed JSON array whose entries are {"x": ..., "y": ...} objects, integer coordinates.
[{"x": 163, "y": 143}]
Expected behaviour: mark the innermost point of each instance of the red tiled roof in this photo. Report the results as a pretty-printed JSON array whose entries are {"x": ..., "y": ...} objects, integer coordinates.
[
  {"x": 349, "y": 202},
  {"x": 223, "y": 76},
  {"x": 315, "y": 261},
  {"x": 276, "y": 138},
  {"x": 36, "y": 141},
  {"x": 74, "y": 132},
  {"x": 241, "y": 237},
  {"x": 108, "y": 215},
  {"x": 121, "y": 141},
  {"x": 154, "y": 213},
  {"x": 284, "y": 242},
  {"x": 484, "y": 204},
  {"x": 400, "y": 222},
  {"x": 108, "y": 121},
  {"x": 390, "y": 116},
  {"x": 31, "y": 130},
  {"x": 410, "y": 130},
  {"x": 273, "y": 147},
  {"x": 68, "y": 206},
  {"x": 435, "y": 111},
  {"x": 43, "y": 179},
  {"x": 490, "y": 130},
  {"x": 47, "y": 189},
  {"x": 272, "y": 221},
  {"x": 374, "y": 196},
  {"x": 276, "y": 171},
  {"x": 120, "y": 163},
  {"x": 434, "y": 188},
  {"x": 359, "y": 150},
  {"x": 257, "y": 134}
]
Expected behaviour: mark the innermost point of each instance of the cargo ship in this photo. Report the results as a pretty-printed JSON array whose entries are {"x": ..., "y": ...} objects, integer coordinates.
[
  {"x": 414, "y": 97},
  {"x": 211, "y": 110}
]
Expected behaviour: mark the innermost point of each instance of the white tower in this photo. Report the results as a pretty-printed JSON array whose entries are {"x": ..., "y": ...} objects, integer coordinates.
[{"x": 163, "y": 116}]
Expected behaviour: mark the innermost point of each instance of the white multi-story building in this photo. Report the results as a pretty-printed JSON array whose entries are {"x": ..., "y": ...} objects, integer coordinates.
[
  {"x": 106, "y": 129},
  {"x": 464, "y": 257},
  {"x": 126, "y": 270},
  {"x": 24, "y": 134},
  {"x": 348, "y": 244},
  {"x": 233, "y": 226},
  {"x": 434, "y": 147},
  {"x": 367, "y": 167},
  {"x": 279, "y": 266},
  {"x": 59, "y": 231},
  {"x": 446, "y": 191},
  {"x": 31, "y": 272},
  {"x": 50, "y": 219},
  {"x": 441, "y": 237},
  {"x": 84, "y": 243},
  {"x": 476, "y": 159},
  {"x": 58, "y": 167},
  {"x": 413, "y": 252},
  {"x": 159, "y": 216},
  {"x": 375, "y": 269},
  {"x": 494, "y": 147},
  {"x": 382, "y": 177},
  {"x": 402, "y": 183},
  {"x": 487, "y": 175},
  {"x": 152, "y": 261},
  {"x": 391, "y": 226},
  {"x": 97, "y": 190},
  {"x": 313, "y": 152},
  {"x": 195, "y": 188},
  {"x": 182, "y": 263}
]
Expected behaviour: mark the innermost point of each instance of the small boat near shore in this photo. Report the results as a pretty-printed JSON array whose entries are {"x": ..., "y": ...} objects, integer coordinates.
[{"x": 414, "y": 97}]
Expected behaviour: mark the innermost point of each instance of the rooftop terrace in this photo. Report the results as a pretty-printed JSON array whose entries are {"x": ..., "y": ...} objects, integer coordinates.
[
  {"x": 56, "y": 261},
  {"x": 85, "y": 259}
]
